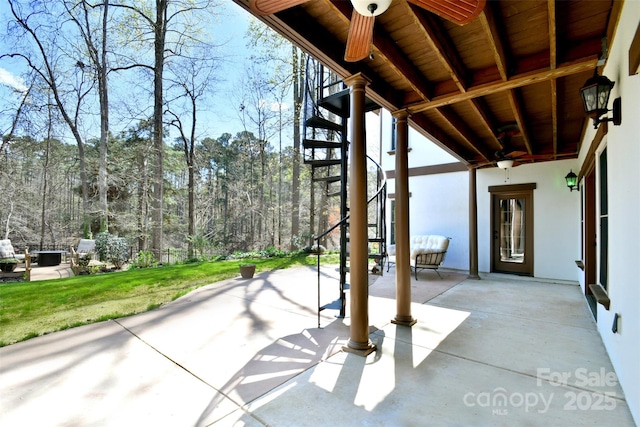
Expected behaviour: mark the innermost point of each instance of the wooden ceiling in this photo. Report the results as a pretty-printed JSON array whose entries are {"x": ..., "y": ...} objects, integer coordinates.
[{"x": 519, "y": 64}]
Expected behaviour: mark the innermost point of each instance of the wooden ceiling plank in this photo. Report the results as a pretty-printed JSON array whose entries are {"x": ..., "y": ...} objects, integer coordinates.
[
  {"x": 481, "y": 109},
  {"x": 388, "y": 49},
  {"x": 516, "y": 107},
  {"x": 426, "y": 128},
  {"x": 495, "y": 37},
  {"x": 524, "y": 79},
  {"x": 329, "y": 52},
  {"x": 435, "y": 35},
  {"x": 553, "y": 42},
  {"x": 463, "y": 130}
]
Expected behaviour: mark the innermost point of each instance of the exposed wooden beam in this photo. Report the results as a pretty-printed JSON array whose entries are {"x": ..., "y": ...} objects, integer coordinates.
[
  {"x": 524, "y": 79},
  {"x": 463, "y": 131},
  {"x": 553, "y": 42},
  {"x": 388, "y": 49},
  {"x": 384, "y": 46},
  {"x": 516, "y": 107},
  {"x": 494, "y": 37},
  {"x": 427, "y": 129},
  {"x": 436, "y": 37},
  {"x": 330, "y": 52},
  {"x": 481, "y": 109},
  {"x": 554, "y": 115}
]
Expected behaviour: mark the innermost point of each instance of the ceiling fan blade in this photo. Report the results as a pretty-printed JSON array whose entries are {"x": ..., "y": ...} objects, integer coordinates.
[
  {"x": 513, "y": 154},
  {"x": 359, "y": 37},
  {"x": 458, "y": 11},
  {"x": 268, "y": 7}
]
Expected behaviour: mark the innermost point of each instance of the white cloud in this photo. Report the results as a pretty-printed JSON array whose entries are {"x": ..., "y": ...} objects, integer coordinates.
[{"x": 8, "y": 79}]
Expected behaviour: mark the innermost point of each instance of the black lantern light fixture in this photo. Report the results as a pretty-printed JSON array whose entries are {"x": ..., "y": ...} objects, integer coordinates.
[
  {"x": 595, "y": 99},
  {"x": 572, "y": 180}
]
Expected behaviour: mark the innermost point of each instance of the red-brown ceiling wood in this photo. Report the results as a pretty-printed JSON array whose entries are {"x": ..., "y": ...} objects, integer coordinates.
[{"x": 519, "y": 61}]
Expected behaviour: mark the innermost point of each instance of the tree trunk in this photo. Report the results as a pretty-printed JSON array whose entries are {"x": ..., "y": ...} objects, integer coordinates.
[
  {"x": 298, "y": 84},
  {"x": 103, "y": 94},
  {"x": 158, "y": 143}
]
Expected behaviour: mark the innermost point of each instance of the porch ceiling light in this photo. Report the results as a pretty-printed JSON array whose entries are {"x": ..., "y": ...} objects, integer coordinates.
[
  {"x": 505, "y": 163},
  {"x": 572, "y": 180},
  {"x": 370, "y": 7},
  {"x": 595, "y": 99}
]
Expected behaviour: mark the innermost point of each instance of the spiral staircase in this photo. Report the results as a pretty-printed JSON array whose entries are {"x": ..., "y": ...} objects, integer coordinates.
[{"x": 326, "y": 150}]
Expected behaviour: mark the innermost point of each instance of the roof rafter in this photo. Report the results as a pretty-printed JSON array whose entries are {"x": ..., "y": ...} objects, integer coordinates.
[
  {"x": 524, "y": 79},
  {"x": 554, "y": 115},
  {"x": 436, "y": 37},
  {"x": 481, "y": 109},
  {"x": 387, "y": 48},
  {"x": 463, "y": 130},
  {"x": 494, "y": 36},
  {"x": 553, "y": 42},
  {"x": 516, "y": 107}
]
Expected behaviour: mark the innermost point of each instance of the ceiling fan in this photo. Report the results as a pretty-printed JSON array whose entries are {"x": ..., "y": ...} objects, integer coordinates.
[
  {"x": 507, "y": 157},
  {"x": 361, "y": 28}
]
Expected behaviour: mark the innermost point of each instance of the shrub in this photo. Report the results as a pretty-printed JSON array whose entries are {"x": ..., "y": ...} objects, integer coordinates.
[
  {"x": 315, "y": 249},
  {"x": 146, "y": 259},
  {"x": 112, "y": 249}
]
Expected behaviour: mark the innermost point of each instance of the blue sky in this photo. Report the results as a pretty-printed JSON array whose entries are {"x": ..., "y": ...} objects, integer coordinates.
[{"x": 223, "y": 115}]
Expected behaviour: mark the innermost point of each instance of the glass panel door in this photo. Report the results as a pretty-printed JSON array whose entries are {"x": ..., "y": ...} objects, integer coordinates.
[
  {"x": 512, "y": 228},
  {"x": 512, "y": 233}
]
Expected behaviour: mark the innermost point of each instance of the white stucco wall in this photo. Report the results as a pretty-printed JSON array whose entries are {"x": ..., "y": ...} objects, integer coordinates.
[
  {"x": 556, "y": 217},
  {"x": 435, "y": 209},
  {"x": 623, "y": 157},
  {"x": 439, "y": 204}
]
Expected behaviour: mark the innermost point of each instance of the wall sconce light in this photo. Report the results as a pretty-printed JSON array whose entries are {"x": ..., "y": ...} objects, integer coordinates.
[
  {"x": 572, "y": 180},
  {"x": 595, "y": 99}
]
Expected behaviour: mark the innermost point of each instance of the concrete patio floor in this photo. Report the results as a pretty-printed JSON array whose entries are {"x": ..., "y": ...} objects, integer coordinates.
[{"x": 498, "y": 351}]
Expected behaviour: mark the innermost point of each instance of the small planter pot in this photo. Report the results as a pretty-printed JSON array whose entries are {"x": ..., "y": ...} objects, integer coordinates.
[{"x": 247, "y": 270}]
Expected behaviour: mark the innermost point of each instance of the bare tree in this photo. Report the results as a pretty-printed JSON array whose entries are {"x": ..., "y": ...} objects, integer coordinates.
[
  {"x": 80, "y": 13},
  {"x": 190, "y": 81},
  {"x": 37, "y": 33},
  {"x": 173, "y": 28},
  {"x": 285, "y": 63}
]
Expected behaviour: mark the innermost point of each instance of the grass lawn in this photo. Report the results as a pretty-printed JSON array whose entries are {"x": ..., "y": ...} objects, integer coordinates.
[{"x": 30, "y": 309}]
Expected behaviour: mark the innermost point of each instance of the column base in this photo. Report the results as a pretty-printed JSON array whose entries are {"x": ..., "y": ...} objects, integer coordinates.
[
  {"x": 360, "y": 349},
  {"x": 404, "y": 321},
  {"x": 473, "y": 277}
]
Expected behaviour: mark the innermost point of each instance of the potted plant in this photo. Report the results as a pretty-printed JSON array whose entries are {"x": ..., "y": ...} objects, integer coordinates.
[
  {"x": 247, "y": 270},
  {"x": 8, "y": 265}
]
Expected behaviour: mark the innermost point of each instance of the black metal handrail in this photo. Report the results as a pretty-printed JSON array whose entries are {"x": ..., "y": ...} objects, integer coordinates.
[{"x": 382, "y": 188}]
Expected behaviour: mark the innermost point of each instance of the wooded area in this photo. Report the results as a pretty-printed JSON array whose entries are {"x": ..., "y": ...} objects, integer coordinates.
[{"x": 153, "y": 177}]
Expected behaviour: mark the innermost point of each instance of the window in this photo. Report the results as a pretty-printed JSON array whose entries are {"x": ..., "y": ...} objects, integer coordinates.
[
  {"x": 604, "y": 219},
  {"x": 392, "y": 231},
  {"x": 394, "y": 128}
]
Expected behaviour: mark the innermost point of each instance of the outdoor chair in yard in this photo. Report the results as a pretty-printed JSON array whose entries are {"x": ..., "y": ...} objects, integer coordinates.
[
  {"x": 8, "y": 257},
  {"x": 82, "y": 254}
]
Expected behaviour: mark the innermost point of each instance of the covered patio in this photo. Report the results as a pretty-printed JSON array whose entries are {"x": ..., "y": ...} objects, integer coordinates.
[
  {"x": 506, "y": 86},
  {"x": 248, "y": 352}
]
